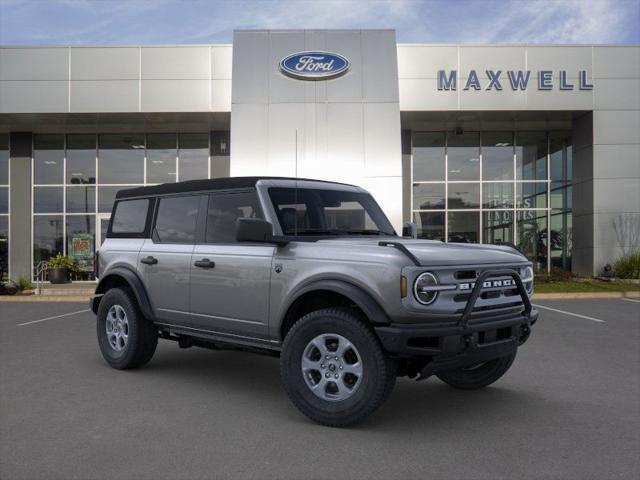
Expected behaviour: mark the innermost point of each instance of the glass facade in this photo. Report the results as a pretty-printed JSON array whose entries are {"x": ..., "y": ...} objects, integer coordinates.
[
  {"x": 76, "y": 177},
  {"x": 492, "y": 187},
  {"x": 4, "y": 206}
]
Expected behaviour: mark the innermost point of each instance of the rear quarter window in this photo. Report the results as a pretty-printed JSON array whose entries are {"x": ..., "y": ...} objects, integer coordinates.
[{"x": 130, "y": 217}]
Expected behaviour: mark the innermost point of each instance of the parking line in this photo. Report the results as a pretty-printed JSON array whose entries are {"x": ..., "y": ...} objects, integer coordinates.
[
  {"x": 630, "y": 300},
  {"x": 52, "y": 318},
  {"x": 570, "y": 313}
]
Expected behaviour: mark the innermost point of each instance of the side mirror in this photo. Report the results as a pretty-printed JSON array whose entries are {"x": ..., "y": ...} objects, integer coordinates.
[
  {"x": 256, "y": 230},
  {"x": 410, "y": 230}
]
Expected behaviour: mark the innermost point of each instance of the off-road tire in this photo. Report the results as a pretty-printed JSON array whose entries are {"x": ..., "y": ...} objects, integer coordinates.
[
  {"x": 142, "y": 334},
  {"x": 480, "y": 376},
  {"x": 379, "y": 371}
]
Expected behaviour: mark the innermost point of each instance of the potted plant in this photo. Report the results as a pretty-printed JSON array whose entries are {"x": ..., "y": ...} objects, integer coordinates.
[{"x": 59, "y": 268}]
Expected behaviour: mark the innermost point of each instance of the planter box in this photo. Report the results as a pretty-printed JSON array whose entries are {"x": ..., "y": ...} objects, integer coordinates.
[{"x": 58, "y": 275}]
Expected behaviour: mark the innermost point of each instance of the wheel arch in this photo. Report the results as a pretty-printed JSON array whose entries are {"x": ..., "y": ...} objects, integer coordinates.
[
  {"x": 330, "y": 293},
  {"x": 123, "y": 277}
]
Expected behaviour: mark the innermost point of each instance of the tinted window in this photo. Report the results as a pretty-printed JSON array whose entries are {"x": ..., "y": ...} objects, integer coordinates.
[
  {"x": 130, "y": 216},
  {"x": 224, "y": 210},
  {"x": 176, "y": 220}
]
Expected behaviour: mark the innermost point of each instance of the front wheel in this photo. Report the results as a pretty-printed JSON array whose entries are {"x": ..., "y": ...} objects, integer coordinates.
[
  {"x": 334, "y": 369},
  {"x": 478, "y": 376}
]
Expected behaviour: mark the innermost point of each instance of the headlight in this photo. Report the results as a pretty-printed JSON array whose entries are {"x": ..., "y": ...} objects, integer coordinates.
[
  {"x": 527, "y": 279},
  {"x": 422, "y": 288}
]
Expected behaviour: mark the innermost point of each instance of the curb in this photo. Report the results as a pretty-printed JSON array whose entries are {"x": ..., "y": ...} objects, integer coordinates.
[
  {"x": 44, "y": 298},
  {"x": 583, "y": 295}
]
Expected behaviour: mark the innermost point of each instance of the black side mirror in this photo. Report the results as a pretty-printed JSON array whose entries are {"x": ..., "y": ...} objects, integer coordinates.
[
  {"x": 409, "y": 230},
  {"x": 256, "y": 230}
]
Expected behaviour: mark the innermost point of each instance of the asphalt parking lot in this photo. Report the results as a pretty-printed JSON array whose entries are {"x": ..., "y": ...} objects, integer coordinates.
[{"x": 569, "y": 408}]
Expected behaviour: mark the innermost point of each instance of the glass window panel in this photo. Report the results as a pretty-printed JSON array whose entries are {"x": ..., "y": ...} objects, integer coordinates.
[
  {"x": 531, "y": 155},
  {"x": 47, "y": 199},
  {"x": 561, "y": 239},
  {"x": 464, "y": 195},
  {"x": 161, "y": 157},
  {"x": 497, "y": 195},
  {"x": 193, "y": 156},
  {"x": 497, "y": 156},
  {"x": 4, "y": 159},
  {"x": 4, "y": 247},
  {"x": 81, "y": 159},
  {"x": 130, "y": 216},
  {"x": 498, "y": 226},
  {"x": 121, "y": 159},
  {"x": 561, "y": 195},
  {"x": 464, "y": 227},
  {"x": 106, "y": 197},
  {"x": 430, "y": 225},
  {"x": 531, "y": 195},
  {"x": 81, "y": 244},
  {"x": 81, "y": 199},
  {"x": 225, "y": 209},
  {"x": 428, "y": 157},
  {"x": 47, "y": 237},
  {"x": 532, "y": 236},
  {"x": 176, "y": 219},
  {"x": 4, "y": 199},
  {"x": 48, "y": 159},
  {"x": 428, "y": 196},
  {"x": 463, "y": 155}
]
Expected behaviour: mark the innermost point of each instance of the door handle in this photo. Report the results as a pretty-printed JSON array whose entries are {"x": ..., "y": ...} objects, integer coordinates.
[
  {"x": 204, "y": 263},
  {"x": 149, "y": 260}
]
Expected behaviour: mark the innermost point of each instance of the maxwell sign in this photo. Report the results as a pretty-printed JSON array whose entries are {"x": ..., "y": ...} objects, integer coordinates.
[
  {"x": 516, "y": 79},
  {"x": 314, "y": 65}
]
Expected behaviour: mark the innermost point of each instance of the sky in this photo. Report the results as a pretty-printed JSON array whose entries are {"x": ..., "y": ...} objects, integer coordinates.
[{"x": 121, "y": 22}]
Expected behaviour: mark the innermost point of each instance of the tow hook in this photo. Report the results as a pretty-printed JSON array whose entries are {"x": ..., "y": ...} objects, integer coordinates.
[
  {"x": 525, "y": 331},
  {"x": 468, "y": 341}
]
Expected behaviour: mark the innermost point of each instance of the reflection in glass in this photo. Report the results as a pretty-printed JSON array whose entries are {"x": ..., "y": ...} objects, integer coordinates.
[
  {"x": 48, "y": 159},
  {"x": 428, "y": 157},
  {"x": 81, "y": 244},
  {"x": 430, "y": 225},
  {"x": 531, "y": 155},
  {"x": 161, "y": 157},
  {"x": 121, "y": 159},
  {"x": 497, "y": 195},
  {"x": 47, "y": 237},
  {"x": 464, "y": 195},
  {"x": 4, "y": 200},
  {"x": 561, "y": 239},
  {"x": 497, "y": 156},
  {"x": 532, "y": 236},
  {"x": 47, "y": 199},
  {"x": 193, "y": 156},
  {"x": 463, "y": 155},
  {"x": 464, "y": 227},
  {"x": 81, "y": 199},
  {"x": 531, "y": 195},
  {"x": 428, "y": 196},
  {"x": 81, "y": 159},
  {"x": 4, "y": 159},
  {"x": 498, "y": 226},
  {"x": 106, "y": 197},
  {"x": 4, "y": 247},
  {"x": 560, "y": 154}
]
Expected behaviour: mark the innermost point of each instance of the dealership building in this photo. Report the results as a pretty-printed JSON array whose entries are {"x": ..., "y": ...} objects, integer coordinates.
[{"x": 538, "y": 145}]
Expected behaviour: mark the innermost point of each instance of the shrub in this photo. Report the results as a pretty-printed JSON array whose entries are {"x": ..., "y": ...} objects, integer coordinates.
[
  {"x": 628, "y": 266},
  {"x": 62, "y": 261},
  {"x": 23, "y": 283}
]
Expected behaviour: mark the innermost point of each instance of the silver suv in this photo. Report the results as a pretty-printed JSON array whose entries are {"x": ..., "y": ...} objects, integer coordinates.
[{"x": 312, "y": 272}]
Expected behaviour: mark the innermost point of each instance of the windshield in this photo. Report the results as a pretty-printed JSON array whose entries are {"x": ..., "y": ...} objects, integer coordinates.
[{"x": 311, "y": 211}]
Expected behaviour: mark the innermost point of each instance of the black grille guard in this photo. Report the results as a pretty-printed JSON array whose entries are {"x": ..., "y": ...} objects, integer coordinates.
[{"x": 477, "y": 291}]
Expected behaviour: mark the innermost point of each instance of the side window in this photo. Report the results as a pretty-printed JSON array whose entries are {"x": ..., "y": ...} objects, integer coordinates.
[
  {"x": 130, "y": 216},
  {"x": 176, "y": 219},
  {"x": 224, "y": 210}
]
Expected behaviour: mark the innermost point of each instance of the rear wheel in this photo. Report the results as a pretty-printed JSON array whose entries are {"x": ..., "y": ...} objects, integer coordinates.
[
  {"x": 126, "y": 338},
  {"x": 478, "y": 376},
  {"x": 334, "y": 368}
]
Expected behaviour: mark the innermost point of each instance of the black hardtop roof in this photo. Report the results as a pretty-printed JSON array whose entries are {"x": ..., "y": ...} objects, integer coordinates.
[{"x": 203, "y": 185}]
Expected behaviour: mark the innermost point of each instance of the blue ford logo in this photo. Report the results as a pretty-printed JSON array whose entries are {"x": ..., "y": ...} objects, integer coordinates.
[{"x": 314, "y": 65}]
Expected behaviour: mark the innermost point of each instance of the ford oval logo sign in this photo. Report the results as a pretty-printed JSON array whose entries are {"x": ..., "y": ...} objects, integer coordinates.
[{"x": 314, "y": 65}]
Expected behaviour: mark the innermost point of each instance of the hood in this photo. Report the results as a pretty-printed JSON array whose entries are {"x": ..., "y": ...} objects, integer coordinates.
[{"x": 436, "y": 253}]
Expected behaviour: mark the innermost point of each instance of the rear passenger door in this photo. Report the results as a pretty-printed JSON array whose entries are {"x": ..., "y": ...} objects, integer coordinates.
[
  {"x": 230, "y": 280},
  {"x": 165, "y": 259}
]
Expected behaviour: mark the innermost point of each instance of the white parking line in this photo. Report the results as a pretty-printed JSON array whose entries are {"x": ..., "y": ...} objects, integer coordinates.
[
  {"x": 52, "y": 318},
  {"x": 630, "y": 300},
  {"x": 570, "y": 313}
]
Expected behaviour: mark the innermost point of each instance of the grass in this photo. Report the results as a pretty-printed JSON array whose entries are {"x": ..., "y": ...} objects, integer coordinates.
[{"x": 571, "y": 286}]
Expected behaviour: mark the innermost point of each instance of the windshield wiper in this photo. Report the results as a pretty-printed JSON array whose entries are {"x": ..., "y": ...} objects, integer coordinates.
[
  {"x": 316, "y": 232},
  {"x": 365, "y": 232}
]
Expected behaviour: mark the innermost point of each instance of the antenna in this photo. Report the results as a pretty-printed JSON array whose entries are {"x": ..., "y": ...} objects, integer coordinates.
[{"x": 295, "y": 222}]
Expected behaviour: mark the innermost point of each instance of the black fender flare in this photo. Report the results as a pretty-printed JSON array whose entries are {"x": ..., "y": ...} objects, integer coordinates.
[
  {"x": 369, "y": 306},
  {"x": 134, "y": 282}
]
